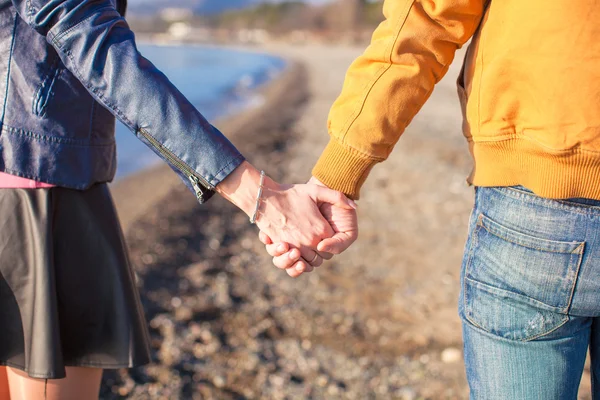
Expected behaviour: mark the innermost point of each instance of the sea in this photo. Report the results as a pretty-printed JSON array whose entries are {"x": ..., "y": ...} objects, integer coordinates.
[{"x": 218, "y": 81}]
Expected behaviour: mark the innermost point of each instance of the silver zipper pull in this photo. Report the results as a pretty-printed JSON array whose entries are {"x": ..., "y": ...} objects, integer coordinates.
[{"x": 197, "y": 188}]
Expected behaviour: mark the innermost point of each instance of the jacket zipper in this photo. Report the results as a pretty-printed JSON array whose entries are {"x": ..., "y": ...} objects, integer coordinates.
[{"x": 194, "y": 178}]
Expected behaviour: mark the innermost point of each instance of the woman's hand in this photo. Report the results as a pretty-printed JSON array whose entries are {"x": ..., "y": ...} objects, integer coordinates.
[
  {"x": 343, "y": 221},
  {"x": 308, "y": 227},
  {"x": 287, "y": 213}
]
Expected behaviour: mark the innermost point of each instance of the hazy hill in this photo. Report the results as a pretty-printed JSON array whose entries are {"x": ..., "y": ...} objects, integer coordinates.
[{"x": 199, "y": 6}]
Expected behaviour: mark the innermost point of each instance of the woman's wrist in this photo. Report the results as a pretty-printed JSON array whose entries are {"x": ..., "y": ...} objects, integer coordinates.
[{"x": 241, "y": 187}]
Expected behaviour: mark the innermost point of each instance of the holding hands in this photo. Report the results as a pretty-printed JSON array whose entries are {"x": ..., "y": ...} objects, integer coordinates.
[
  {"x": 301, "y": 225},
  {"x": 341, "y": 219}
]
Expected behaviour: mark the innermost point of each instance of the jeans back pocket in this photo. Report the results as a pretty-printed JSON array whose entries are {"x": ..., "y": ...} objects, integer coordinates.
[{"x": 516, "y": 285}]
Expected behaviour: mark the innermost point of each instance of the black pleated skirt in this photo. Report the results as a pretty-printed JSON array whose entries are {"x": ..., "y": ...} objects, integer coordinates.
[{"x": 67, "y": 291}]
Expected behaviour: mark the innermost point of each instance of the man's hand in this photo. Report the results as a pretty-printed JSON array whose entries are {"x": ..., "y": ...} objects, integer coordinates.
[
  {"x": 286, "y": 213},
  {"x": 344, "y": 223}
]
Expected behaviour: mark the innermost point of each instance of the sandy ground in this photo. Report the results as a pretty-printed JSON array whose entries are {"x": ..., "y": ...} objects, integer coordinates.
[
  {"x": 401, "y": 278},
  {"x": 378, "y": 322}
]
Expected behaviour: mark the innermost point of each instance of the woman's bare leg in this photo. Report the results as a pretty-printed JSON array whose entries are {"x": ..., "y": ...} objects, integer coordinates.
[
  {"x": 80, "y": 384},
  {"x": 4, "y": 393}
]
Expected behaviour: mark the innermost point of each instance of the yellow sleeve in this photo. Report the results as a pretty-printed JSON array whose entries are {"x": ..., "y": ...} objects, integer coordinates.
[{"x": 386, "y": 86}]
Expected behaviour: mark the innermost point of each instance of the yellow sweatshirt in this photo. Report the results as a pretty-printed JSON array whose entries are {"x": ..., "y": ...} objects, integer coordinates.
[{"x": 530, "y": 92}]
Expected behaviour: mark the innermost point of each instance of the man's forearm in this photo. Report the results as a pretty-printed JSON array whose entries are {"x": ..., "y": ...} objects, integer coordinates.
[{"x": 387, "y": 85}]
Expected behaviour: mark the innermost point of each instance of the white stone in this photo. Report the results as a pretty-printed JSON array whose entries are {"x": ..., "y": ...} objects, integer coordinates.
[{"x": 451, "y": 355}]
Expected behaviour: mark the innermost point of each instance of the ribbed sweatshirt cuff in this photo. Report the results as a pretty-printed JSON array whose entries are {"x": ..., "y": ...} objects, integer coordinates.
[{"x": 343, "y": 168}]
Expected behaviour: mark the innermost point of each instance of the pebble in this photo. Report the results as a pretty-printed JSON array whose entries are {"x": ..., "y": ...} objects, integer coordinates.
[
  {"x": 247, "y": 243},
  {"x": 214, "y": 244},
  {"x": 219, "y": 381},
  {"x": 277, "y": 380},
  {"x": 324, "y": 331},
  {"x": 184, "y": 314},
  {"x": 176, "y": 302},
  {"x": 206, "y": 335},
  {"x": 373, "y": 326},
  {"x": 451, "y": 355},
  {"x": 322, "y": 380},
  {"x": 406, "y": 393},
  {"x": 333, "y": 390},
  {"x": 147, "y": 259}
]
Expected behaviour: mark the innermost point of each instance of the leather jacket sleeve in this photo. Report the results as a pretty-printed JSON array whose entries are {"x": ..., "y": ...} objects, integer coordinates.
[{"x": 97, "y": 46}]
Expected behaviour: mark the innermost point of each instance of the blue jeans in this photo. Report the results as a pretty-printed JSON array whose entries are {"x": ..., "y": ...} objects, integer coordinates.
[{"x": 530, "y": 295}]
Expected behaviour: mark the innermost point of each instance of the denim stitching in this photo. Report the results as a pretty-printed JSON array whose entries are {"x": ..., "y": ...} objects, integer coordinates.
[
  {"x": 482, "y": 220},
  {"x": 466, "y": 280},
  {"x": 468, "y": 265},
  {"x": 510, "y": 293},
  {"x": 573, "y": 273},
  {"x": 528, "y": 339},
  {"x": 531, "y": 198},
  {"x": 575, "y": 276}
]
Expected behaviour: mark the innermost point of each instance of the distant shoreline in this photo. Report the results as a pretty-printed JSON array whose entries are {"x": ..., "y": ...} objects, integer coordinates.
[
  {"x": 238, "y": 88},
  {"x": 254, "y": 49},
  {"x": 139, "y": 191}
]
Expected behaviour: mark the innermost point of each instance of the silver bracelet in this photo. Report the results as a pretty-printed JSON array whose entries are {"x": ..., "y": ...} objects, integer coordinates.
[{"x": 258, "y": 198}]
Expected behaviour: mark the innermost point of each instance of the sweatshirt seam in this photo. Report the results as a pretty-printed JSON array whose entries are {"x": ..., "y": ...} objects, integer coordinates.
[
  {"x": 516, "y": 137},
  {"x": 481, "y": 49},
  {"x": 354, "y": 151},
  {"x": 403, "y": 17}
]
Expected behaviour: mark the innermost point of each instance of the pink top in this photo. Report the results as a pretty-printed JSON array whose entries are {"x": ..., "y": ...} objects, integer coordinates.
[{"x": 8, "y": 181}]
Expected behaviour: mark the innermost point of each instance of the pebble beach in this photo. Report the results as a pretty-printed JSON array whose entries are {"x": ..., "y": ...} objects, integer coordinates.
[{"x": 378, "y": 322}]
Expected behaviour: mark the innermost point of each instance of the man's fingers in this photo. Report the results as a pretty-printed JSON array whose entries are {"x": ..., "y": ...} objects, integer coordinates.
[
  {"x": 287, "y": 260},
  {"x": 264, "y": 238},
  {"x": 325, "y": 256},
  {"x": 299, "y": 268},
  {"x": 336, "y": 244},
  {"x": 326, "y": 195},
  {"x": 277, "y": 249},
  {"x": 312, "y": 258}
]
